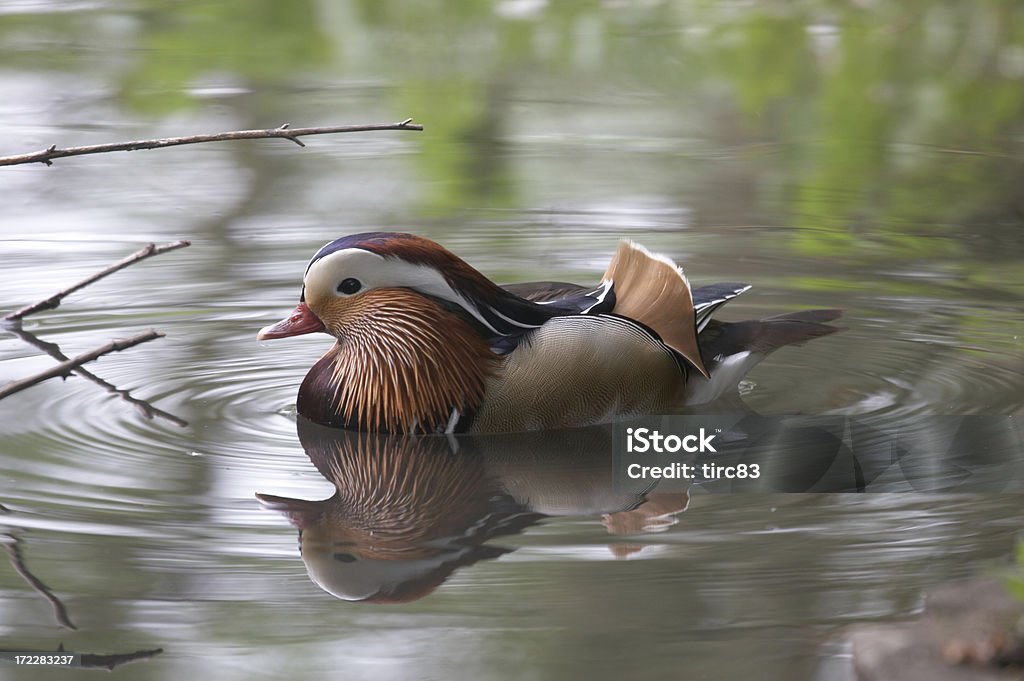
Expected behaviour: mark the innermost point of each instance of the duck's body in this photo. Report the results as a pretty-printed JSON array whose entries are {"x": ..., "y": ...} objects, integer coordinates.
[{"x": 426, "y": 343}]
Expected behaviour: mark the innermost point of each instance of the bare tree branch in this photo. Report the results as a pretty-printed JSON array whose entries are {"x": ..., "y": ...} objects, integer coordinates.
[
  {"x": 18, "y": 563},
  {"x": 65, "y": 368},
  {"x": 48, "y": 155},
  {"x": 53, "y": 350},
  {"x": 54, "y": 300}
]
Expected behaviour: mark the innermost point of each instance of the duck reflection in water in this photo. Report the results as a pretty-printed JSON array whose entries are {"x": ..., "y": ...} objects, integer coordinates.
[{"x": 409, "y": 511}]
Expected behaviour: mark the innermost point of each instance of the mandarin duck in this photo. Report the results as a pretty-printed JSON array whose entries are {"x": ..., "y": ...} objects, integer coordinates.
[{"x": 425, "y": 343}]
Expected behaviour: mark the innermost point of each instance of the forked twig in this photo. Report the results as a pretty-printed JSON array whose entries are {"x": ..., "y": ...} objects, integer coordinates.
[
  {"x": 284, "y": 132},
  {"x": 53, "y": 350},
  {"x": 65, "y": 368},
  {"x": 54, "y": 300},
  {"x": 18, "y": 563}
]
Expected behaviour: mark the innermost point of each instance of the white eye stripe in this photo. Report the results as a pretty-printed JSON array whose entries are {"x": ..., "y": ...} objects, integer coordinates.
[
  {"x": 376, "y": 271},
  {"x": 324, "y": 275}
]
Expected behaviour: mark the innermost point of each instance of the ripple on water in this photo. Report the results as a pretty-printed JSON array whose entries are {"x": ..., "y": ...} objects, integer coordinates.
[
  {"x": 865, "y": 371},
  {"x": 233, "y": 396}
]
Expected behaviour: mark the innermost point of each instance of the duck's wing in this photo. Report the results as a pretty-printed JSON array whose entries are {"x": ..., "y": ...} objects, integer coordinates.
[
  {"x": 585, "y": 367},
  {"x": 593, "y": 364},
  {"x": 566, "y": 297},
  {"x": 579, "y": 370},
  {"x": 544, "y": 291},
  {"x": 653, "y": 290},
  {"x": 645, "y": 287},
  {"x": 555, "y": 299},
  {"x": 707, "y": 299}
]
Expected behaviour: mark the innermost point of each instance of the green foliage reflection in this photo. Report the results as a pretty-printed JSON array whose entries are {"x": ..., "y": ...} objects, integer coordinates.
[{"x": 897, "y": 124}]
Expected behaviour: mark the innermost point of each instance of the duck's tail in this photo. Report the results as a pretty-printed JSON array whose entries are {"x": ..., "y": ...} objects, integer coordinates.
[{"x": 733, "y": 348}]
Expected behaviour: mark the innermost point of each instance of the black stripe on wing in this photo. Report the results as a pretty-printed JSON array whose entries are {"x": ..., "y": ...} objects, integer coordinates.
[
  {"x": 514, "y": 317},
  {"x": 709, "y": 298},
  {"x": 598, "y": 301},
  {"x": 545, "y": 291},
  {"x": 567, "y": 298},
  {"x": 510, "y": 319}
]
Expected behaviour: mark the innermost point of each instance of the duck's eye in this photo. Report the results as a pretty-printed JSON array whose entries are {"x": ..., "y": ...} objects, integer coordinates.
[{"x": 349, "y": 286}]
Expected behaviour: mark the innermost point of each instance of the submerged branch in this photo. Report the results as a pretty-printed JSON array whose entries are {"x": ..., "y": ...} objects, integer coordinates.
[
  {"x": 47, "y": 155},
  {"x": 94, "y": 661},
  {"x": 108, "y": 662},
  {"x": 18, "y": 563},
  {"x": 53, "y": 350},
  {"x": 54, "y": 300},
  {"x": 65, "y": 368}
]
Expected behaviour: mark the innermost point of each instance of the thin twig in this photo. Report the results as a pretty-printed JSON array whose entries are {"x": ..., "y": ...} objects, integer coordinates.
[
  {"x": 47, "y": 155},
  {"x": 53, "y": 350},
  {"x": 54, "y": 300},
  {"x": 65, "y": 368},
  {"x": 18, "y": 563}
]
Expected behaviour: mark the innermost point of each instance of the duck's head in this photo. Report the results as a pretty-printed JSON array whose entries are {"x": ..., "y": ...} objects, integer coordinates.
[
  {"x": 377, "y": 269},
  {"x": 416, "y": 327}
]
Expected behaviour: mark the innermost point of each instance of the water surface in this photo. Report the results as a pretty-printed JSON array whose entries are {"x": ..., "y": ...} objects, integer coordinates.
[{"x": 867, "y": 158}]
